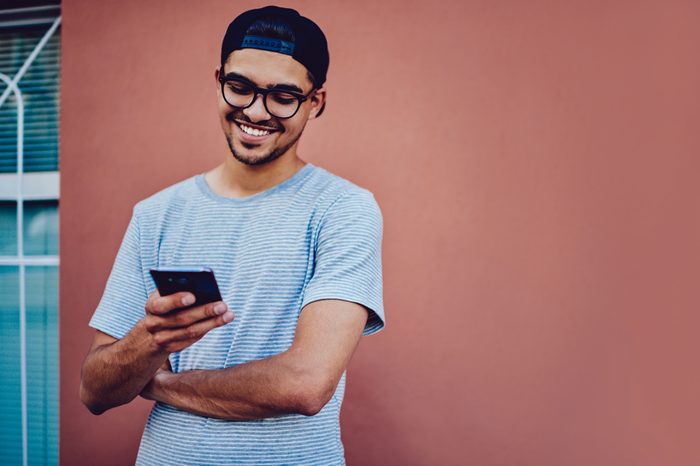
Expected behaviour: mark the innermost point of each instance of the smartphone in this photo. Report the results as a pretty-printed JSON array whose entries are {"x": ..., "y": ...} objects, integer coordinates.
[{"x": 199, "y": 281}]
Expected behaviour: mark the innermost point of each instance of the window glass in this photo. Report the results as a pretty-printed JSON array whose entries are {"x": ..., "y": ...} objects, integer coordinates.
[
  {"x": 41, "y": 322},
  {"x": 42, "y": 363},
  {"x": 40, "y": 228},
  {"x": 10, "y": 392},
  {"x": 8, "y": 228},
  {"x": 21, "y": 32}
]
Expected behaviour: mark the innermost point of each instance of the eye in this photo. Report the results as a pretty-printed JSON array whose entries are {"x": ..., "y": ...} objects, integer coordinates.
[
  {"x": 238, "y": 87},
  {"x": 283, "y": 98}
]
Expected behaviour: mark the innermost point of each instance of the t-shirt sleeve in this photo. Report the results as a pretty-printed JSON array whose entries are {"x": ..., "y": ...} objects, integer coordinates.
[
  {"x": 124, "y": 298},
  {"x": 348, "y": 263}
]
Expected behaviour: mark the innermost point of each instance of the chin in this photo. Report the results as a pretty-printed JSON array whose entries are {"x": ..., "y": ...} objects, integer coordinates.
[
  {"x": 252, "y": 161},
  {"x": 244, "y": 156},
  {"x": 249, "y": 159}
]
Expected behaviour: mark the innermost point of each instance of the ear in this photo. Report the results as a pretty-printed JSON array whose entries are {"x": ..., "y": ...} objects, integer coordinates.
[
  {"x": 318, "y": 102},
  {"x": 217, "y": 84}
]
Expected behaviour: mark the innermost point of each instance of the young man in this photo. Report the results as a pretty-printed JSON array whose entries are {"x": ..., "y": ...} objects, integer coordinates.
[{"x": 258, "y": 377}]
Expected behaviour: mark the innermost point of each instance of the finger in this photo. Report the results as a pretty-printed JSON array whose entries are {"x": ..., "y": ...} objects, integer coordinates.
[
  {"x": 185, "y": 317},
  {"x": 177, "y": 346},
  {"x": 151, "y": 297},
  {"x": 160, "y": 305},
  {"x": 192, "y": 332}
]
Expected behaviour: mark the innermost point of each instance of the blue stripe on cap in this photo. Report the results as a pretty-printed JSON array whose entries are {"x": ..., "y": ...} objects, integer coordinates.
[{"x": 266, "y": 43}]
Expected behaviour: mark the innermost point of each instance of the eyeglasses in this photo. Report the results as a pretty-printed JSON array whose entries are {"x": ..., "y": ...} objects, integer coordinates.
[{"x": 279, "y": 103}]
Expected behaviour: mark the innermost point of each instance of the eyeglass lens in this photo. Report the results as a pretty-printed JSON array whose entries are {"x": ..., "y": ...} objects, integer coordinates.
[{"x": 278, "y": 103}]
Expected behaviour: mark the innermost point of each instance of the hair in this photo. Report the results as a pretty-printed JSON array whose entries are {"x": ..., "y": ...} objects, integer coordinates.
[{"x": 275, "y": 27}]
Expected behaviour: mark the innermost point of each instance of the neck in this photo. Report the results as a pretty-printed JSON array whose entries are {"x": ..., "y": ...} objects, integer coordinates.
[{"x": 235, "y": 179}]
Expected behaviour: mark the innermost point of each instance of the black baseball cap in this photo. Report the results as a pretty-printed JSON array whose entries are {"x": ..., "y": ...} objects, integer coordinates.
[{"x": 309, "y": 47}]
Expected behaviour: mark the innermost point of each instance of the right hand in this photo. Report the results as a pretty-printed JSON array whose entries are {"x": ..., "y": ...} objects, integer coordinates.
[{"x": 174, "y": 328}]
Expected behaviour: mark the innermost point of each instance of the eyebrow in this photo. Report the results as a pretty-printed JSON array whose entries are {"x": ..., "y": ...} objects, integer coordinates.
[{"x": 281, "y": 86}]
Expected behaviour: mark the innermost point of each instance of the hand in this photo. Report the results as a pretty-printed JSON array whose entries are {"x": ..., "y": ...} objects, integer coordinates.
[{"x": 175, "y": 326}]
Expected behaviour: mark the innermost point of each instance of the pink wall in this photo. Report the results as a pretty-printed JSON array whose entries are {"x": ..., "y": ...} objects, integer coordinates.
[{"x": 537, "y": 166}]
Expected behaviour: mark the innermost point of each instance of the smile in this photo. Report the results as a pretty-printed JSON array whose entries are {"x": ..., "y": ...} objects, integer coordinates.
[{"x": 254, "y": 131}]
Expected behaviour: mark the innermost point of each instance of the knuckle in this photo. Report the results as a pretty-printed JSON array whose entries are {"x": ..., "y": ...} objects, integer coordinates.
[
  {"x": 192, "y": 333},
  {"x": 150, "y": 322},
  {"x": 177, "y": 320},
  {"x": 156, "y": 306},
  {"x": 165, "y": 305}
]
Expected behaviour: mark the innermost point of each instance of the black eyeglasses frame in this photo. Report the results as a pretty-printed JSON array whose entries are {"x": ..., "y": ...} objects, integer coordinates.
[{"x": 301, "y": 98}]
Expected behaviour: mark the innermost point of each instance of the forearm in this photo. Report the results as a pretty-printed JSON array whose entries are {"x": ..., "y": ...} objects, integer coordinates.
[
  {"x": 114, "y": 374},
  {"x": 255, "y": 390}
]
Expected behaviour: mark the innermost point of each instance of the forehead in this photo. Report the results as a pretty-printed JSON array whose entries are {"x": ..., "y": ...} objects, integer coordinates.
[{"x": 264, "y": 67}]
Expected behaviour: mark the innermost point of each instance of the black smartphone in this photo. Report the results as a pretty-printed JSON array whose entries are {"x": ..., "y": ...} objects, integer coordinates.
[{"x": 199, "y": 281}]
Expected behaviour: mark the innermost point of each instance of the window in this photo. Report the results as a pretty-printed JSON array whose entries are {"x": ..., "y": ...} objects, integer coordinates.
[{"x": 29, "y": 200}]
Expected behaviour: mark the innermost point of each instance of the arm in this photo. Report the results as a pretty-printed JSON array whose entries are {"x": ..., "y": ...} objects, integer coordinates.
[
  {"x": 115, "y": 371},
  {"x": 300, "y": 380}
]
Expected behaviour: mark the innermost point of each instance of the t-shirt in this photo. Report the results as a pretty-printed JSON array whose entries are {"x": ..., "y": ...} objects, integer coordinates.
[{"x": 314, "y": 236}]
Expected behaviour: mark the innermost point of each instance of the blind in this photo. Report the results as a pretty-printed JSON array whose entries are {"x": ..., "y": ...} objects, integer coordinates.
[{"x": 40, "y": 89}]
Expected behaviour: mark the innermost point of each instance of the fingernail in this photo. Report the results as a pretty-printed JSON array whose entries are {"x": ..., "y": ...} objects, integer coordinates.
[
  {"x": 228, "y": 317},
  {"x": 220, "y": 308},
  {"x": 187, "y": 300}
]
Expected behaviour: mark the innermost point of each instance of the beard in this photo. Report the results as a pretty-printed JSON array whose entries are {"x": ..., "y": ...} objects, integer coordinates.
[{"x": 274, "y": 154}]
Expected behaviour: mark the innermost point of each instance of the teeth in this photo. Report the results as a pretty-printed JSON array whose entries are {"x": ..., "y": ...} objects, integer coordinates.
[{"x": 254, "y": 131}]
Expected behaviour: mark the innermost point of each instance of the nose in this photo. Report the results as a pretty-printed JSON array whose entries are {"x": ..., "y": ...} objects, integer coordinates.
[{"x": 257, "y": 111}]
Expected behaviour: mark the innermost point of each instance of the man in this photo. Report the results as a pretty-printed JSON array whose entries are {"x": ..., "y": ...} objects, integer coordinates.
[{"x": 258, "y": 377}]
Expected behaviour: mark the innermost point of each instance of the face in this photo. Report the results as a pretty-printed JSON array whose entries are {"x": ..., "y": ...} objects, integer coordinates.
[{"x": 271, "y": 137}]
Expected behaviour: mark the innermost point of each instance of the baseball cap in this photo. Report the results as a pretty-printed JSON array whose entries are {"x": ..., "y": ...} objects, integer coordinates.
[{"x": 308, "y": 48}]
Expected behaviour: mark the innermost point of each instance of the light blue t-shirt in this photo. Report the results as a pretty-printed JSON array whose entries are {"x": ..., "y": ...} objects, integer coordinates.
[{"x": 314, "y": 236}]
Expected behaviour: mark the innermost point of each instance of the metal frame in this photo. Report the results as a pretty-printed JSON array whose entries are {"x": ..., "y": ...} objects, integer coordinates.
[
  {"x": 30, "y": 9},
  {"x": 20, "y": 260}
]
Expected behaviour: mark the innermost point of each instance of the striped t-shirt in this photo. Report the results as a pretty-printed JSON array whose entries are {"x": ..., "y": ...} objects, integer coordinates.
[{"x": 314, "y": 236}]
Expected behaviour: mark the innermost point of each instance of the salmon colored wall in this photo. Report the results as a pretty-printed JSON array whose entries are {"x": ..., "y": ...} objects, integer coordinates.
[{"x": 537, "y": 167}]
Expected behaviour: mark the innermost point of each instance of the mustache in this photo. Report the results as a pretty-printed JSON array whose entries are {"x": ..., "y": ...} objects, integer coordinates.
[{"x": 240, "y": 116}]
